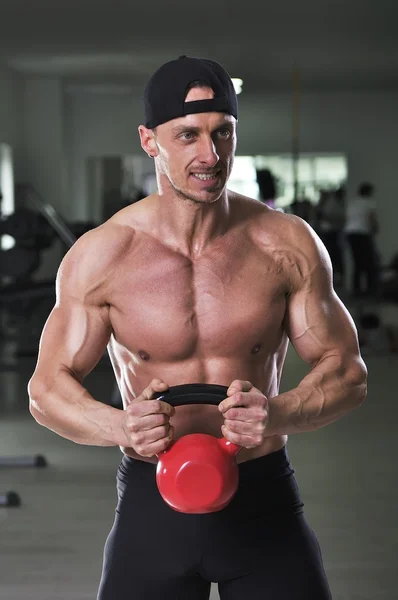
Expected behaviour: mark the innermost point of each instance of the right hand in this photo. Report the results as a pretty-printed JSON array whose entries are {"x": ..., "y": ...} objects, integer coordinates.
[{"x": 147, "y": 421}]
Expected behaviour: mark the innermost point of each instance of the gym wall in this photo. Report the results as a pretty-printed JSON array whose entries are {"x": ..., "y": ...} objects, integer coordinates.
[
  {"x": 10, "y": 96},
  {"x": 55, "y": 132},
  {"x": 363, "y": 126}
]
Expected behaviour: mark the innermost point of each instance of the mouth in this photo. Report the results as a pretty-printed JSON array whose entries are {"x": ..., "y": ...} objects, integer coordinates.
[{"x": 207, "y": 178}]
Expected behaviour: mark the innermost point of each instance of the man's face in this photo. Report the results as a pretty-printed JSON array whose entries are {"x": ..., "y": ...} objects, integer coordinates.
[{"x": 195, "y": 153}]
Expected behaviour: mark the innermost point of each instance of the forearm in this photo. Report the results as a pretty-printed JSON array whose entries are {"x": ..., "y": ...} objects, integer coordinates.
[
  {"x": 328, "y": 392},
  {"x": 64, "y": 406}
]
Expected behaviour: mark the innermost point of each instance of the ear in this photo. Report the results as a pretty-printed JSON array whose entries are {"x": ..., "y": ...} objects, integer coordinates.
[{"x": 148, "y": 142}]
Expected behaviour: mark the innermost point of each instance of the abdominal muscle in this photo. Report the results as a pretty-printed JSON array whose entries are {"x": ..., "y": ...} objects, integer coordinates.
[{"x": 201, "y": 418}]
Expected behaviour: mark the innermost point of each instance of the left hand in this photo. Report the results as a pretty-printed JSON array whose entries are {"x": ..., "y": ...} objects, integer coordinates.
[{"x": 245, "y": 412}]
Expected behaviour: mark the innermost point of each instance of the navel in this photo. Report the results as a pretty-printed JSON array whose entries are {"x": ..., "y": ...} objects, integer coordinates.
[
  {"x": 143, "y": 355},
  {"x": 256, "y": 349}
]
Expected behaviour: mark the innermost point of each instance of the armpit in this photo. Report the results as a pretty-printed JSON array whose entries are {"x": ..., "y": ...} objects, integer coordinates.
[{"x": 292, "y": 265}]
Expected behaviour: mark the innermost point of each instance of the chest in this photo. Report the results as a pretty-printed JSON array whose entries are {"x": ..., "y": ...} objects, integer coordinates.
[{"x": 213, "y": 304}]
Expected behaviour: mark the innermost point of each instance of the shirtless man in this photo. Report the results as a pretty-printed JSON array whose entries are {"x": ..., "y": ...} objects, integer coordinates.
[{"x": 196, "y": 284}]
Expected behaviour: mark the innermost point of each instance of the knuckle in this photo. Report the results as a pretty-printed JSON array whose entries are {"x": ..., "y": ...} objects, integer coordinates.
[
  {"x": 260, "y": 415},
  {"x": 155, "y": 406},
  {"x": 161, "y": 419},
  {"x": 133, "y": 426},
  {"x": 132, "y": 407},
  {"x": 138, "y": 439},
  {"x": 164, "y": 431},
  {"x": 163, "y": 444}
]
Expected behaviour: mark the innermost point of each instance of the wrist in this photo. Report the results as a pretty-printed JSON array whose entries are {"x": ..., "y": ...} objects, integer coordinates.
[
  {"x": 273, "y": 425},
  {"x": 120, "y": 434}
]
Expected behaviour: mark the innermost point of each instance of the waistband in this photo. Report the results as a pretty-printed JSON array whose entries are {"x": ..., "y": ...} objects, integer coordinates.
[
  {"x": 267, "y": 485},
  {"x": 273, "y": 465}
]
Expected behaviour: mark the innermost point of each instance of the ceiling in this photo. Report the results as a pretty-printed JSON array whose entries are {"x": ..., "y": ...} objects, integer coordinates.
[{"x": 335, "y": 44}]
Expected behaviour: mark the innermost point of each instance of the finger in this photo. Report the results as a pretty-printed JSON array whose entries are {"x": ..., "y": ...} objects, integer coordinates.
[
  {"x": 150, "y": 407},
  {"x": 158, "y": 433},
  {"x": 154, "y": 448},
  {"x": 245, "y": 441},
  {"x": 250, "y": 399},
  {"x": 156, "y": 385},
  {"x": 250, "y": 429},
  {"x": 237, "y": 399},
  {"x": 141, "y": 439},
  {"x": 135, "y": 424},
  {"x": 239, "y": 386},
  {"x": 248, "y": 415}
]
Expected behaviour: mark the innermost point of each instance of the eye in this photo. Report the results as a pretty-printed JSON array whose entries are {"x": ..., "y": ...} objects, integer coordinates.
[
  {"x": 224, "y": 133},
  {"x": 187, "y": 135}
]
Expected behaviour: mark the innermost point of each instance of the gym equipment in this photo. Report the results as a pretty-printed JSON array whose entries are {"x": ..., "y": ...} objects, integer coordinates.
[
  {"x": 27, "y": 300},
  {"x": 10, "y": 500},
  {"x": 50, "y": 215},
  {"x": 33, "y": 229},
  {"x": 28, "y": 228},
  {"x": 28, "y": 303},
  {"x": 23, "y": 461},
  {"x": 19, "y": 263},
  {"x": 197, "y": 473}
]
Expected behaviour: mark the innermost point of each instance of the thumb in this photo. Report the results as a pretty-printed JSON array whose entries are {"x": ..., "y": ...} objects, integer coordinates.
[{"x": 232, "y": 390}]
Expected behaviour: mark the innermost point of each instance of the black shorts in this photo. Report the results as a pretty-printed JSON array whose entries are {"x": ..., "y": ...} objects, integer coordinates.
[{"x": 259, "y": 547}]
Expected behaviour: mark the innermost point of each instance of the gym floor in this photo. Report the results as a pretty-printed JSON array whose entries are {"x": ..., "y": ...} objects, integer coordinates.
[{"x": 51, "y": 546}]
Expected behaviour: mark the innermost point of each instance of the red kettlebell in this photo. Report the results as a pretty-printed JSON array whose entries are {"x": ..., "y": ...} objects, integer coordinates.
[{"x": 197, "y": 473}]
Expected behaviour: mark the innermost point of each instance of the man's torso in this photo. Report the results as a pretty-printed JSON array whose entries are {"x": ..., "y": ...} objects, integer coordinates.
[{"x": 209, "y": 319}]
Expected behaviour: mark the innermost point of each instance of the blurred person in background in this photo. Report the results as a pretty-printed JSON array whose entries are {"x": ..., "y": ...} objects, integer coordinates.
[
  {"x": 360, "y": 228},
  {"x": 331, "y": 218}
]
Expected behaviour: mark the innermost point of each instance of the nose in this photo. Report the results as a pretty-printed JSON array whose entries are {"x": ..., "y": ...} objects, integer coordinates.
[{"x": 207, "y": 152}]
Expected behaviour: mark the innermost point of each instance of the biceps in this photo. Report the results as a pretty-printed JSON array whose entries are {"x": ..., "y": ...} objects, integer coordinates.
[
  {"x": 318, "y": 325},
  {"x": 74, "y": 338}
]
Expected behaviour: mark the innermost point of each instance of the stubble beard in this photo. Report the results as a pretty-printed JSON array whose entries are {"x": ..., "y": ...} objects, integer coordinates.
[{"x": 184, "y": 195}]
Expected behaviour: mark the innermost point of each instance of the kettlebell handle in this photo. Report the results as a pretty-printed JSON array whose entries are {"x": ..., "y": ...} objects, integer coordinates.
[
  {"x": 193, "y": 393},
  {"x": 199, "y": 393}
]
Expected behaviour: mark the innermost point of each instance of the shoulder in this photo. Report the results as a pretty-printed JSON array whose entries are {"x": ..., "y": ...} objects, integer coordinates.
[
  {"x": 277, "y": 227},
  {"x": 274, "y": 228},
  {"x": 294, "y": 245},
  {"x": 94, "y": 256}
]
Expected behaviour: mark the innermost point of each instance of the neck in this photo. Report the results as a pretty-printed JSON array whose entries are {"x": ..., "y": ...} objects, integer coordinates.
[{"x": 190, "y": 226}]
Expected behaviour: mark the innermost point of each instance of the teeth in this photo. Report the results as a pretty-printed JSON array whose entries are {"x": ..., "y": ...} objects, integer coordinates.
[{"x": 204, "y": 176}]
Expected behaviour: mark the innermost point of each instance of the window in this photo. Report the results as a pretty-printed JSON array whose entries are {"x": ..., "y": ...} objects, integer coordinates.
[
  {"x": 315, "y": 172},
  {"x": 7, "y": 190}
]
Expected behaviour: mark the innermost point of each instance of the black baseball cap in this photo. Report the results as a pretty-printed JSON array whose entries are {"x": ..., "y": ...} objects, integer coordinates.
[{"x": 165, "y": 92}]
